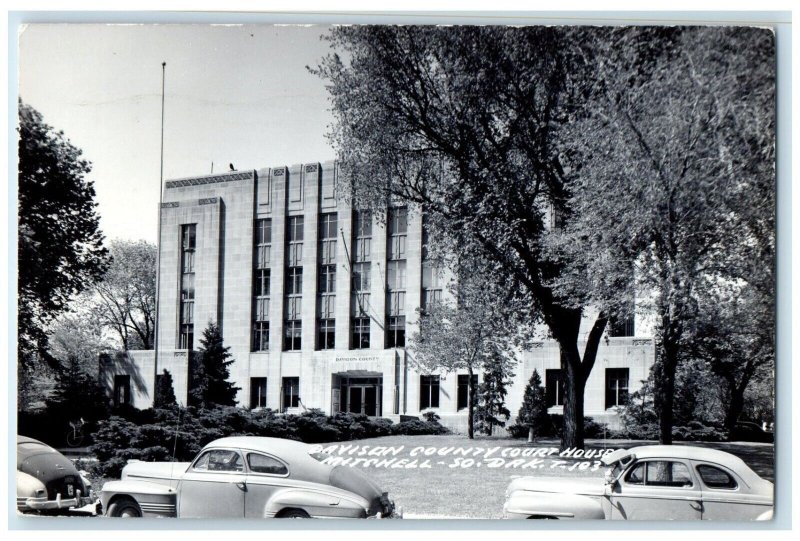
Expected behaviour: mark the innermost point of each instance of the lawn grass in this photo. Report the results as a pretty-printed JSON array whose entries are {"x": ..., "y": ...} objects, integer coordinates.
[{"x": 478, "y": 492}]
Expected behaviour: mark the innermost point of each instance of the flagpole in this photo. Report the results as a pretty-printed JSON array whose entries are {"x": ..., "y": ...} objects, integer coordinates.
[{"x": 158, "y": 239}]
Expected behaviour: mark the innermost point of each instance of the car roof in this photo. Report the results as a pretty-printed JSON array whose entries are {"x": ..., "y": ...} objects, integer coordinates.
[
  {"x": 257, "y": 443},
  {"x": 296, "y": 453}
]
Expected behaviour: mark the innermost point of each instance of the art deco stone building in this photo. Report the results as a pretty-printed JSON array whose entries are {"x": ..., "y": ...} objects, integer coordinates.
[{"x": 316, "y": 301}]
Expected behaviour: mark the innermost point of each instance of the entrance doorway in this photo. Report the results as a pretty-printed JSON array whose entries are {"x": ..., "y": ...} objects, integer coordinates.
[{"x": 357, "y": 394}]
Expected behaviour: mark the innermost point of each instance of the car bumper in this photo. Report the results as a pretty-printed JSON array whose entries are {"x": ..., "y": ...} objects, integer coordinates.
[{"x": 43, "y": 504}]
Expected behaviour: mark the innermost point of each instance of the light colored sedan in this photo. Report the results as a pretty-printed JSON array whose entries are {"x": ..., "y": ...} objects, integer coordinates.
[
  {"x": 246, "y": 477},
  {"x": 658, "y": 482}
]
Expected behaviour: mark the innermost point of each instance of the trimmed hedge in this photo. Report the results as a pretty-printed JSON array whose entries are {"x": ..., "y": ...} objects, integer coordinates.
[
  {"x": 554, "y": 428},
  {"x": 157, "y": 434}
]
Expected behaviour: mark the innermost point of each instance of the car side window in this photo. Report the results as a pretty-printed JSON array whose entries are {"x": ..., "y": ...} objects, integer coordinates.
[
  {"x": 714, "y": 477},
  {"x": 660, "y": 473},
  {"x": 219, "y": 460},
  {"x": 636, "y": 475},
  {"x": 266, "y": 464}
]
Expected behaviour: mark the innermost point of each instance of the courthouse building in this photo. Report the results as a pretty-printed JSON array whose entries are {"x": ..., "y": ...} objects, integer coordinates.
[{"x": 317, "y": 300}]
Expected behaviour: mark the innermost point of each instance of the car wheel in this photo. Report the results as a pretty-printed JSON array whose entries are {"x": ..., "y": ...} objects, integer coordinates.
[
  {"x": 294, "y": 513},
  {"x": 125, "y": 508}
]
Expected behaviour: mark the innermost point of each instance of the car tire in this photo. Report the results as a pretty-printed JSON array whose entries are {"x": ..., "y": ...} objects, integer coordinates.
[
  {"x": 294, "y": 513},
  {"x": 125, "y": 508}
]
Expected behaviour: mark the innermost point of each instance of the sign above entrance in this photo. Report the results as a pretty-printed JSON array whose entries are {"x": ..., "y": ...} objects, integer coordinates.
[{"x": 371, "y": 359}]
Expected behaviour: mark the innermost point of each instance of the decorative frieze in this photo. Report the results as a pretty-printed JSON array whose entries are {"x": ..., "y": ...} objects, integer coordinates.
[
  {"x": 311, "y": 168},
  {"x": 208, "y": 201},
  {"x": 170, "y": 205},
  {"x": 228, "y": 177},
  {"x": 278, "y": 172}
]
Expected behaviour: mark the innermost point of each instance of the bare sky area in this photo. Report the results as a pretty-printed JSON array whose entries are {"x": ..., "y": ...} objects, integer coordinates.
[{"x": 234, "y": 94}]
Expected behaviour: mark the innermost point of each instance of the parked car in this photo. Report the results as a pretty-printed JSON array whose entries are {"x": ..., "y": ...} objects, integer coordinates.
[
  {"x": 747, "y": 431},
  {"x": 658, "y": 482},
  {"x": 246, "y": 477},
  {"x": 47, "y": 480}
]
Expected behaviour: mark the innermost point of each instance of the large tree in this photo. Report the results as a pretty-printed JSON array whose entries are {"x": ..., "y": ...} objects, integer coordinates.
[
  {"x": 682, "y": 158},
  {"x": 461, "y": 121},
  {"x": 60, "y": 251},
  {"x": 124, "y": 300},
  {"x": 469, "y": 331}
]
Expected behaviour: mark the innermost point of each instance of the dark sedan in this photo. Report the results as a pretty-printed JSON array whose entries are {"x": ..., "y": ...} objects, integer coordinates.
[{"x": 47, "y": 480}]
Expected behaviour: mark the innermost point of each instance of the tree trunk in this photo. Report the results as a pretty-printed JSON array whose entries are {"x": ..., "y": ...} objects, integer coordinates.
[
  {"x": 736, "y": 396},
  {"x": 574, "y": 385},
  {"x": 565, "y": 325},
  {"x": 668, "y": 367},
  {"x": 470, "y": 404},
  {"x": 530, "y": 434}
]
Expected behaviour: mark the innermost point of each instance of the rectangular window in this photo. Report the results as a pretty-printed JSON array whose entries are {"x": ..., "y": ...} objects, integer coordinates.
[
  {"x": 294, "y": 281},
  {"x": 258, "y": 393},
  {"x": 397, "y": 222},
  {"x": 261, "y": 336},
  {"x": 396, "y": 272},
  {"x": 616, "y": 387},
  {"x": 361, "y": 333},
  {"x": 327, "y": 279},
  {"x": 554, "y": 387},
  {"x": 327, "y": 334},
  {"x": 361, "y": 272},
  {"x": 292, "y": 336},
  {"x": 188, "y": 247},
  {"x": 291, "y": 393},
  {"x": 263, "y": 243},
  {"x": 621, "y": 326},
  {"x": 463, "y": 390},
  {"x": 431, "y": 285},
  {"x": 396, "y": 333},
  {"x": 428, "y": 392},
  {"x": 122, "y": 390},
  {"x": 294, "y": 229}
]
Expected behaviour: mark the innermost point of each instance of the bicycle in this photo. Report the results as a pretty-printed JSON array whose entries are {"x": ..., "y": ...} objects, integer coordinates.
[{"x": 75, "y": 435}]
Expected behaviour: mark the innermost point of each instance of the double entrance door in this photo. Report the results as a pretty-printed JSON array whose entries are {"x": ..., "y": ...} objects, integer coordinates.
[{"x": 360, "y": 395}]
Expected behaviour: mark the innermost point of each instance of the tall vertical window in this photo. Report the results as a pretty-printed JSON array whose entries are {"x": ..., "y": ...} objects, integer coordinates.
[
  {"x": 431, "y": 275},
  {"x": 397, "y": 222},
  {"x": 362, "y": 249},
  {"x": 622, "y": 324},
  {"x": 554, "y": 387},
  {"x": 326, "y": 323},
  {"x": 258, "y": 393},
  {"x": 291, "y": 393},
  {"x": 428, "y": 392},
  {"x": 463, "y": 389},
  {"x": 292, "y": 328},
  {"x": 616, "y": 387},
  {"x": 188, "y": 247},
  {"x": 261, "y": 284}
]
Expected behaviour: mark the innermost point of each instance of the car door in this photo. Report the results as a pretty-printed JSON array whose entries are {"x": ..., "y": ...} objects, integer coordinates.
[
  {"x": 213, "y": 486},
  {"x": 266, "y": 474},
  {"x": 657, "y": 490},
  {"x": 726, "y": 496}
]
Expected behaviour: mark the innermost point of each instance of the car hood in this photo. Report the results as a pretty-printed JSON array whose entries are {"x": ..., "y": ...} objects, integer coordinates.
[
  {"x": 587, "y": 487},
  {"x": 48, "y": 466},
  {"x": 167, "y": 471}
]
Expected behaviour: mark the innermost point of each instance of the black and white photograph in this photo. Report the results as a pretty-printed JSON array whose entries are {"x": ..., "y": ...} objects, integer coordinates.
[{"x": 395, "y": 272}]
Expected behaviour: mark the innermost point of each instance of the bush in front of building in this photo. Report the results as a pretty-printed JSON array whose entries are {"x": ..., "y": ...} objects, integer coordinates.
[
  {"x": 163, "y": 433},
  {"x": 551, "y": 426}
]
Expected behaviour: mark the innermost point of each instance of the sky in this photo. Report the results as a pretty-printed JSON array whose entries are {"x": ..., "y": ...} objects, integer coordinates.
[{"x": 233, "y": 94}]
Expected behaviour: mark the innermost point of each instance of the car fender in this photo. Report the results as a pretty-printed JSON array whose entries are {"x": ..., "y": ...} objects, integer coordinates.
[
  {"x": 316, "y": 503},
  {"x": 525, "y": 504},
  {"x": 28, "y": 486},
  {"x": 154, "y": 499}
]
